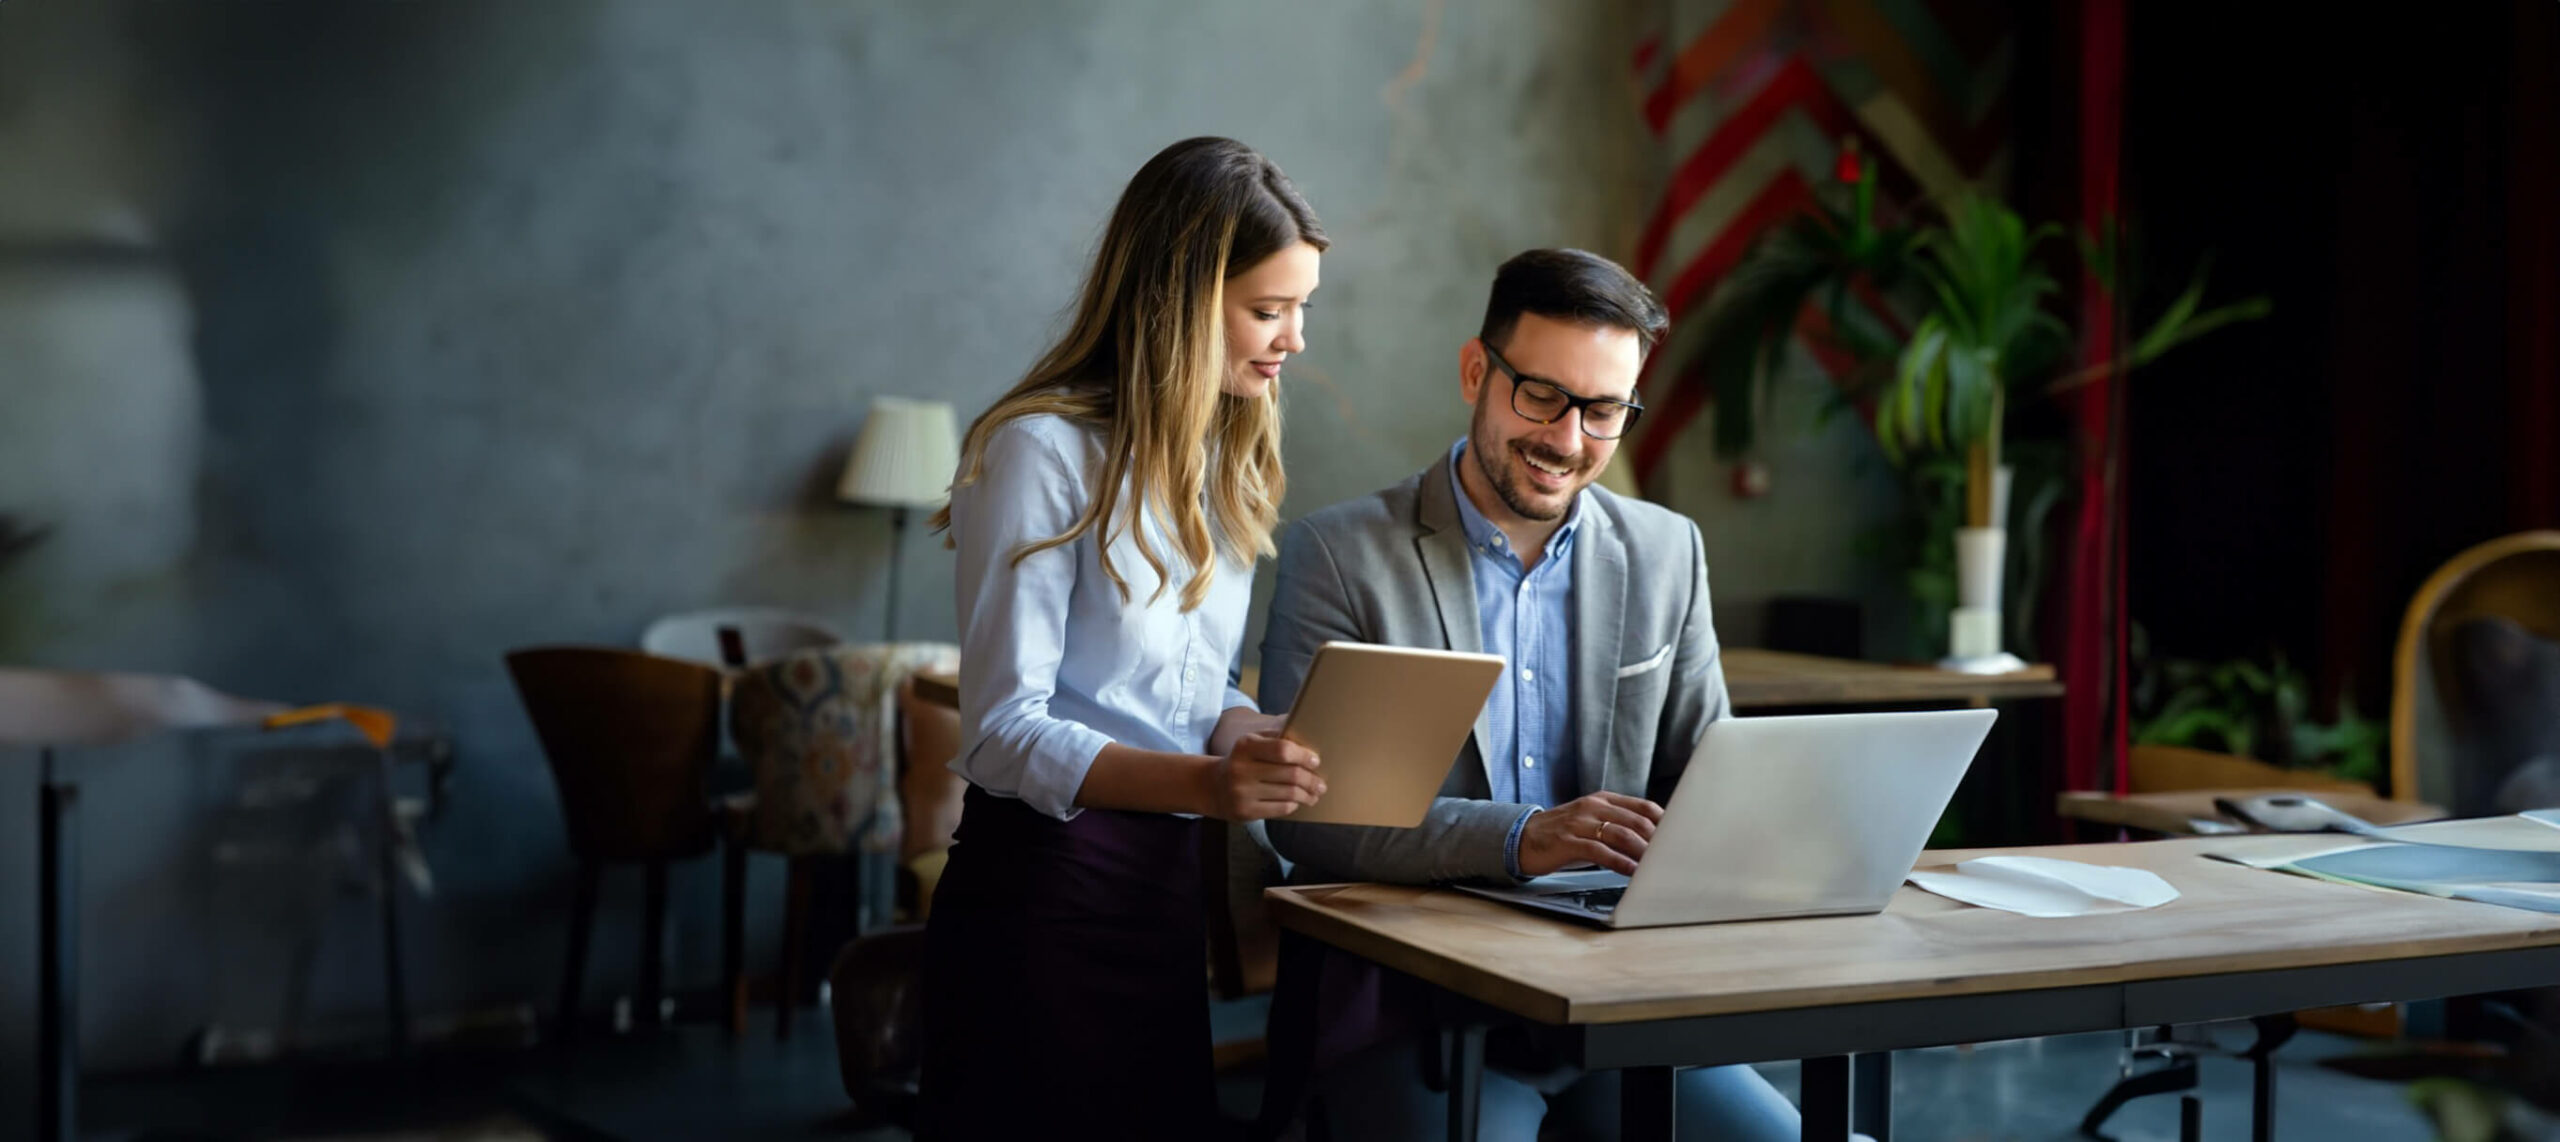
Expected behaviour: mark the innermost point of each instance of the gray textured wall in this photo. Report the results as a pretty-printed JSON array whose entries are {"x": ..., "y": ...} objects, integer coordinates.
[{"x": 428, "y": 329}]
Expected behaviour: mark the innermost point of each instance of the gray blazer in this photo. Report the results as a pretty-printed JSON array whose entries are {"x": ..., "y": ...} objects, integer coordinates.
[{"x": 1392, "y": 568}]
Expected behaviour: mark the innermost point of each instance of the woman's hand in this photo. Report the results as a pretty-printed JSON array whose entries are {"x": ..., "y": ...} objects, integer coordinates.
[
  {"x": 1238, "y": 723},
  {"x": 1263, "y": 775}
]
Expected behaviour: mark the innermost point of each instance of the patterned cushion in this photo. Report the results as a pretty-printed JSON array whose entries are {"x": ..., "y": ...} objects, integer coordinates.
[{"x": 819, "y": 730}]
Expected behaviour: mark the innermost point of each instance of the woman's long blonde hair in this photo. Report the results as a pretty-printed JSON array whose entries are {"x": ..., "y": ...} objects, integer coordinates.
[{"x": 1145, "y": 358}]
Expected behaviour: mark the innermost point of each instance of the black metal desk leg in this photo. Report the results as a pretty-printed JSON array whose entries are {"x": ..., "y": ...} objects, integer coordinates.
[
  {"x": 1871, "y": 1094},
  {"x": 58, "y": 957},
  {"x": 1648, "y": 1104},
  {"x": 2273, "y": 1032},
  {"x": 1826, "y": 1099},
  {"x": 1466, "y": 1080},
  {"x": 2262, "y": 1109}
]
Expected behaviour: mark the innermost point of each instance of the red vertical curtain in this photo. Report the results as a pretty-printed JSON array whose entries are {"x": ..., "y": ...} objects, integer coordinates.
[{"x": 2095, "y": 629}]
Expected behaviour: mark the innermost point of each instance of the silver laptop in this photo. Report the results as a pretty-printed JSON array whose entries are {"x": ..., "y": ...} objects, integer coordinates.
[{"x": 1819, "y": 815}]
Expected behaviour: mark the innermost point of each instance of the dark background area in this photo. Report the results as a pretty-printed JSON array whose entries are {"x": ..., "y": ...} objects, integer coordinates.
[{"x": 2387, "y": 182}]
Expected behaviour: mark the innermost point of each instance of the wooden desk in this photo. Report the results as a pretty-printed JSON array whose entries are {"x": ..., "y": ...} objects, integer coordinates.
[
  {"x": 1762, "y": 678},
  {"x": 1759, "y": 679},
  {"x": 1925, "y": 972},
  {"x": 2179, "y": 812}
]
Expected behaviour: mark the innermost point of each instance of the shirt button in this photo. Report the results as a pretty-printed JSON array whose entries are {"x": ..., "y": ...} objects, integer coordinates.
[
  {"x": 1528, "y": 675},
  {"x": 1528, "y": 762}
]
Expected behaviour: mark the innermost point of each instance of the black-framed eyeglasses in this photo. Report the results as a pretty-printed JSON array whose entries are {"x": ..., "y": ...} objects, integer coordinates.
[{"x": 1547, "y": 402}]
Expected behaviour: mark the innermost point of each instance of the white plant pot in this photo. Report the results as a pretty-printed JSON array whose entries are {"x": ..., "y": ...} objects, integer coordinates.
[
  {"x": 1973, "y": 627},
  {"x": 1979, "y": 552}
]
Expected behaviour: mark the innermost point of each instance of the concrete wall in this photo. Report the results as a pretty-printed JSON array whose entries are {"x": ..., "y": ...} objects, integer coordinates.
[{"x": 394, "y": 335}]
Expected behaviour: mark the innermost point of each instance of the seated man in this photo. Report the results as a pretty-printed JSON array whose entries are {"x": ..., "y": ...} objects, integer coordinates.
[{"x": 1599, "y": 604}]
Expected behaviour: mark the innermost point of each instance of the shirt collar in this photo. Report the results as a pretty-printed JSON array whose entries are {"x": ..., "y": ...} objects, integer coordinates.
[{"x": 1481, "y": 533}]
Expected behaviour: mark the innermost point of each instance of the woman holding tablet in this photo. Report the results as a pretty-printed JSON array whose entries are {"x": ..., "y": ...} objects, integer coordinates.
[{"x": 1108, "y": 512}]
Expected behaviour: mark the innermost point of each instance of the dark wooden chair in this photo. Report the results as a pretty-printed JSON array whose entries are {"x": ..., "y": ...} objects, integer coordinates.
[
  {"x": 631, "y": 738},
  {"x": 877, "y": 989}
]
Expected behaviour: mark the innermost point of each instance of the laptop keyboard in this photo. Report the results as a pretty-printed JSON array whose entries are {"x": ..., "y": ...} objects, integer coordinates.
[{"x": 1598, "y": 899}]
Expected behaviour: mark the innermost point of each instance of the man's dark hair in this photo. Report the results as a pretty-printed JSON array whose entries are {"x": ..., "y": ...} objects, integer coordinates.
[{"x": 1571, "y": 285}]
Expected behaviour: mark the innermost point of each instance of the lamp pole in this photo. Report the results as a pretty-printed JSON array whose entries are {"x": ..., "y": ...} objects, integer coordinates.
[
  {"x": 897, "y": 549},
  {"x": 902, "y": 460}
]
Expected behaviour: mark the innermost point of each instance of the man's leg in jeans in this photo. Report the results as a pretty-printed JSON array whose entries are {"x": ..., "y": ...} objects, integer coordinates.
[
  {"x": 1377, "y": 1095},
  {"x": 1717, "y": 1104}
]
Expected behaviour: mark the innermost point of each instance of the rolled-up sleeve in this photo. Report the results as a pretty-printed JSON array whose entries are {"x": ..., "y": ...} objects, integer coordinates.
[{"x": 1013, "y": 621}]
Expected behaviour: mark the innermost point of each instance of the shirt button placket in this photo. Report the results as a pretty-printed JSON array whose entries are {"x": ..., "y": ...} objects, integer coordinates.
[{"x": 1190, "y": 668}]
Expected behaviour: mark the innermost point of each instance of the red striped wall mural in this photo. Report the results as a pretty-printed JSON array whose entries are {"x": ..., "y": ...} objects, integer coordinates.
[{"x": 1752, "y": 100}]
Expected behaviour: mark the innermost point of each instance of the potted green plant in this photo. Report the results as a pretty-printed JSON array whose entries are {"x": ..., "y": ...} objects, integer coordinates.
[
  {"x": 2252, "y": 708},
  {"x": 1819, "y": 258},
  {"x": 1948, "y": 393},
  {"x": 1987, "y": 334},
  {"x": 1984, "y": 338}
]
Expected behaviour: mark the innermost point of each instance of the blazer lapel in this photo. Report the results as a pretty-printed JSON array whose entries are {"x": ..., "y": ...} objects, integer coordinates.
[
  {"x": 1599, "y": 607},
  {"x": 1441, "y": 542}
]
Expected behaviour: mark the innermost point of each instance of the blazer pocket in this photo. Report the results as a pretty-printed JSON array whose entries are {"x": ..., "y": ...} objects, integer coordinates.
[{"x": 1653, "y": 662}]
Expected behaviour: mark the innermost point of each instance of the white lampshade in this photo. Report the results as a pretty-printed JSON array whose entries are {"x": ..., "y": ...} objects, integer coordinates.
[{"x": 904, "y": 457}]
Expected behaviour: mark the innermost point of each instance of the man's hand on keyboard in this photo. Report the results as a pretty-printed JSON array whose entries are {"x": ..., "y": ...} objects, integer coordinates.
[{"x": 1610, "y": 830}]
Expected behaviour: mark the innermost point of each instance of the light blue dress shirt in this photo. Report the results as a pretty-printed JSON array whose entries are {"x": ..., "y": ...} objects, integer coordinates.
[
  {"x": 1526, "y": 617},
  {"x": 1054, "y": 665}
]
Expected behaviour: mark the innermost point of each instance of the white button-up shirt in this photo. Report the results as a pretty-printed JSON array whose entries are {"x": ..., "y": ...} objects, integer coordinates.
[{"x": 1054, "y": 665}]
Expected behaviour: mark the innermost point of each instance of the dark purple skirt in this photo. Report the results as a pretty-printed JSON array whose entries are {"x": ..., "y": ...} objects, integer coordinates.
[{"x": 1066, "y": 994}]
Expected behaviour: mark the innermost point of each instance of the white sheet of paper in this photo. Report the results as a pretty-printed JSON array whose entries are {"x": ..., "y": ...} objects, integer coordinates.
[{"x": 2043, "y": 886}]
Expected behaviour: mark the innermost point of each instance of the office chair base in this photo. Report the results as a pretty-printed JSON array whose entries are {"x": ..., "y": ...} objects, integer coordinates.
[{"x": 2179, "y": 1074}]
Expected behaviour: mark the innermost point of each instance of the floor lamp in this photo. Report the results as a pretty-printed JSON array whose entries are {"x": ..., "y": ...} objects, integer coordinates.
[{"x": 903, "y": 460}]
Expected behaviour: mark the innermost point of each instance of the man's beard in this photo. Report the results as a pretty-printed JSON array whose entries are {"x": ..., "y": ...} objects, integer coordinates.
[{"x": 1496, "y": 461}]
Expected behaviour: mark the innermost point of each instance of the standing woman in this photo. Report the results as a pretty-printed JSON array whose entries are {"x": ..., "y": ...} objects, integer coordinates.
[{"x": 1108, "y": 512}]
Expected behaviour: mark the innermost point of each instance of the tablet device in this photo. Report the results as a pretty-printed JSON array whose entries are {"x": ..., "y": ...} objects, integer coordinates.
[{"x": 1388, "y": 721}]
